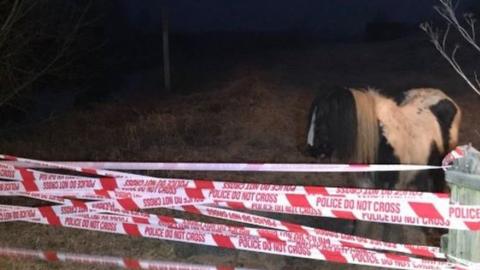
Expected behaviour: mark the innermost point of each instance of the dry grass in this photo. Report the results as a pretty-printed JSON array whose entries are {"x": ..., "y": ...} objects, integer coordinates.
[{"x": 258, "y": 113}]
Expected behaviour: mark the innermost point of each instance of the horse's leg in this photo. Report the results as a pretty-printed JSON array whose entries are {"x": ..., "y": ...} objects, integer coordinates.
[
  {"x": 387, "y": 181},
  {"x": 431, "y": 181},
  {"x": 365, "y": 228}
]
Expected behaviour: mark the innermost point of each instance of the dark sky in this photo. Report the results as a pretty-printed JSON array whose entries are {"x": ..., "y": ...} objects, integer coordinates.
[{"x": 344, "y": 16}]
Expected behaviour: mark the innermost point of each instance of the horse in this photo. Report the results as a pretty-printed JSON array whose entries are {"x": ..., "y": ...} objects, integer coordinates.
[{"x": 363, "y": 126}]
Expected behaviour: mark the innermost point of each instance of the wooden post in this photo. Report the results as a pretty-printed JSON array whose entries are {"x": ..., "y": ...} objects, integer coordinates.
[
  {"x": 166, "y": 50},
  {"x": 463, "y": 246}
]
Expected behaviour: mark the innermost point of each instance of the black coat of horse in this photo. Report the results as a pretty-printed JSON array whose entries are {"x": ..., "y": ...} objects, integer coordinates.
[{"x": 364, "y": 126}]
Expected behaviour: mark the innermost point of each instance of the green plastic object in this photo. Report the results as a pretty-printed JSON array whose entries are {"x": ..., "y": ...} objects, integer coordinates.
[{"x": 463, "y": 177}]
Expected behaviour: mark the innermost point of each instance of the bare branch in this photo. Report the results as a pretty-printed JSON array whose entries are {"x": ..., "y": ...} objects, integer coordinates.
[
  {"x": 447, "y": 11},
  {"x": 15, "y": 44},
  {"x": 13, "y": 12},
  {"x": 434, "y": 36},
  {"x": 470, "y": 20},
  {"x": 476, "y": 79},
  {"x": 9, "y": 21}
]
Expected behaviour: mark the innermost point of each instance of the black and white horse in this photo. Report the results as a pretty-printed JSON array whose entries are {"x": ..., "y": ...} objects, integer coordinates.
[{"x": 364, "y": 126}]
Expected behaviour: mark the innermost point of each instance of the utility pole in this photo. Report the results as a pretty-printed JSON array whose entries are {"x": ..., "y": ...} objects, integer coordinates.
[{"x": 166, "y": 50}]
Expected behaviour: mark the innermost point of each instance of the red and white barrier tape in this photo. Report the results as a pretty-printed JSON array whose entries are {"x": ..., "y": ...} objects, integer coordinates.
[
  {"x": 128, "y": 263},
  {"x": 323, "y": 235},
  {"x": 320, "y": 249},
  {"x": 395, "y": 210},
  {"x": 40, "y": 181},
  {"x": 237, "y": 167},
  {"x": 252, "y": 219},
  {"x": 437, "y": 213},
  {"x": 128, "y": 191},
  {"x": 312, "y": 250},
  {"x": 115, "y": 180},
  {"x": 337, "y": 238},
  {"x": 457, "y": 153}
]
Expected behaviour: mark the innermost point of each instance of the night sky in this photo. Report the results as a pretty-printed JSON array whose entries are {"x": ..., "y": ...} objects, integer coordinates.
[{"x": 345, "y": 17}]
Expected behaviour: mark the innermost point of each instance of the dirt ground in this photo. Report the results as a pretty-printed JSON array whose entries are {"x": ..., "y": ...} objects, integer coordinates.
[{"x": 255, "y": 111}]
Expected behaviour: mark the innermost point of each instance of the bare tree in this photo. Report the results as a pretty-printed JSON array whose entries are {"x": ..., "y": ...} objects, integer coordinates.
[
  {"x": 35, "y": 36},
  {"x": 466, "y": 29}
]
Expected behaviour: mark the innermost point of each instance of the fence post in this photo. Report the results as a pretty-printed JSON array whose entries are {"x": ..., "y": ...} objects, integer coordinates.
[
  {"x": 463, "y": 246},
  {"x": 166, "y": 50}
]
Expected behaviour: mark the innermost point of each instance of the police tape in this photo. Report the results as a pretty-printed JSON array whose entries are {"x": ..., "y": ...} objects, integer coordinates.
[
  {"x": 338, "y": 238},
  {"x": 118, "y": 206},
  {"x": 311, "y": 249},
  {"x": 123, "y": 262},
  {"x": 53, "y": 213},
  {"x": 397, "y": 210},
  {"x": 32, "y": 180},
  {"x": 306, "y": 234},
  {"x": 457, "y": 153},
  {"x": 326, "y": 252},
  {"x": 303, "y": 237},
  {"x": 388, "y": 209},
  {"x": 413, "y": 214},
  {"x": 129, "y": 200},
  {"x": 394, "y": 210},
  {"x": 112, "y": 179},
  {"x": 202, "y": 166}
]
